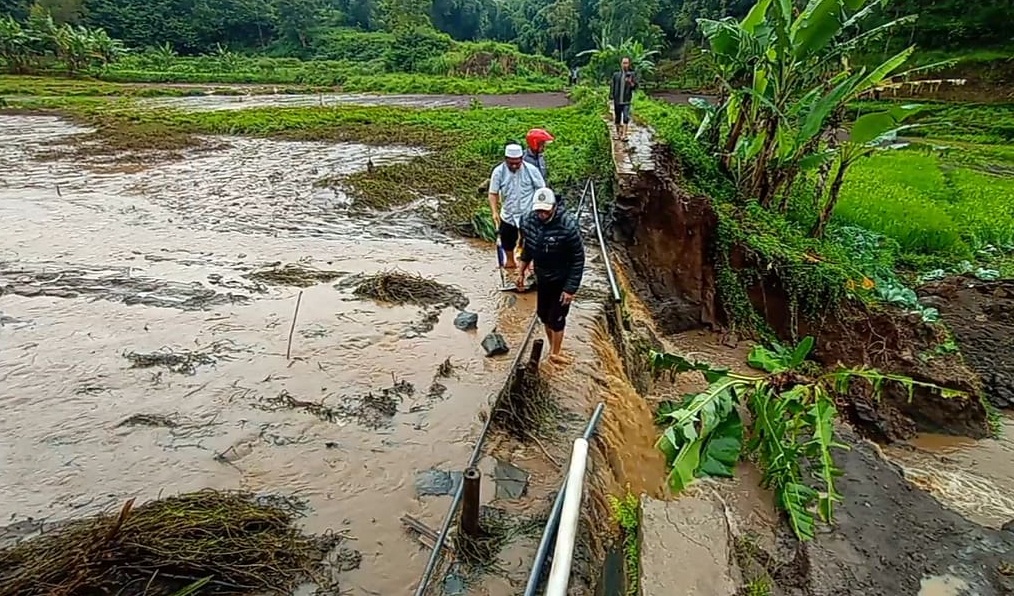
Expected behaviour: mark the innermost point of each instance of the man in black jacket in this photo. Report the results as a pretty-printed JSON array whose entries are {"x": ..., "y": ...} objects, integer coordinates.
[
  {"x": 622, "y": 93},
  {"x": 553, "y": 243}
]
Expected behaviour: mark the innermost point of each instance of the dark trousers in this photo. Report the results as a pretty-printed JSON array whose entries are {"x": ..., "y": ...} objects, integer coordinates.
[
  {"x": 621, "y": 113},
  {"x": 551, "y": 312},
  {"x": 509, "y": 236}
]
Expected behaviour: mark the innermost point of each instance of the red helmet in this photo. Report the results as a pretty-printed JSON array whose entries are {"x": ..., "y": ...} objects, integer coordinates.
[{"x": 536, "y": 138}]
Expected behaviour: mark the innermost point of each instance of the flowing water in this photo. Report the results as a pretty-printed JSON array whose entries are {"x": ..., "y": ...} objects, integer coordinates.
[
  {"x": 240, "y": 102},
  {"x": 974, "y": 478},
  {"x": 95, "y": 264}
]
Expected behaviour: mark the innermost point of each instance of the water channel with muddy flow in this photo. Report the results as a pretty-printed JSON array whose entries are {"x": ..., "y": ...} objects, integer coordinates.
[{"x": 142, "y": 353}]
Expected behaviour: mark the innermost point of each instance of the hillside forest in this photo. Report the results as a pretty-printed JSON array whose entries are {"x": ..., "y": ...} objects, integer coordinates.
[{"x": 563, "y": 29}]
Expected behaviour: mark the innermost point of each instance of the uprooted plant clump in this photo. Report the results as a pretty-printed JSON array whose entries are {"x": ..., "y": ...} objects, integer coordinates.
[
  {"x": 526, "y": 407},
  {"x": 373, "y": 410},
  {"x": 293, "y": 274},
  {"x": 395, "y": 287},
  {"x": 178, "y": 361},
  {"x": 497, "y": 528},
  {"x": 206, "y": 542}
]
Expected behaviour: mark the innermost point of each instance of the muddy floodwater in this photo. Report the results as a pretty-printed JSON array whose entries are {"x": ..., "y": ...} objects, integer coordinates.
[
  {"x": 101, "y": 267},
  {"x": 973, "y": 478},
  {"x": 239, "y": 102}
]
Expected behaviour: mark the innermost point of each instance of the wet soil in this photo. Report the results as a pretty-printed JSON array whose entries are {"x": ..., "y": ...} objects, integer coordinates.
[
  {"x": 889, "y": 536},
  {"x": 981, "y": 317},
  {"x": 154, "y": 262},
  {"x": 239, "y": 102},
  {"x": 654, "y": 218}
]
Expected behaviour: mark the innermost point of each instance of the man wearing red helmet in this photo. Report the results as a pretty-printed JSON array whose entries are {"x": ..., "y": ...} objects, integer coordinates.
[{"x": 536, "y": 140}]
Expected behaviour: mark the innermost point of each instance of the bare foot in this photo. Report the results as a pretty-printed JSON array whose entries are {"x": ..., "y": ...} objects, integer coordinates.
[
  {"x": 510, "y": 266},
  {"x": 557, "y": 359}
]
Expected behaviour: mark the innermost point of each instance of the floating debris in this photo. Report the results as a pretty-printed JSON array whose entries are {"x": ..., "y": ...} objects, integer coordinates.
[
  {"x": 153, "y": 420},
  {"x": 446, "y": 369},
  {"x": 294, "y": 275},
  {"x": 183, "y": 362},
  {"x": 202, "y": 542},
  {"x": 373, "y": 410},
  {"x": 395, "y": 287}
]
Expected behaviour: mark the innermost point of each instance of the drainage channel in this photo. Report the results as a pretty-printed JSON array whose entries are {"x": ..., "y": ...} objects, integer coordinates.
[{"x": 566, "y": 506}]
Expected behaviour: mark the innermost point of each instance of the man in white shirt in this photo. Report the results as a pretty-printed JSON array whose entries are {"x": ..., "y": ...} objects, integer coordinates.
[{"x": 511, "y": 187}]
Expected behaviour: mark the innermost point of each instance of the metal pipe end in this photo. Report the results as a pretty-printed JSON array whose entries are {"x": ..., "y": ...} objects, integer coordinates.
[{"x": 472, "y": 473}]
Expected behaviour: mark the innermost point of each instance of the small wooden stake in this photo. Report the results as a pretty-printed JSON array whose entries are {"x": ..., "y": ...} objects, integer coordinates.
[{"x": 292, "y": 329}]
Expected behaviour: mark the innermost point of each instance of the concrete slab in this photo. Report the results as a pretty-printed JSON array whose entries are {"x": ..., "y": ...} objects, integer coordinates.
[{"x": 686, "y": 549}]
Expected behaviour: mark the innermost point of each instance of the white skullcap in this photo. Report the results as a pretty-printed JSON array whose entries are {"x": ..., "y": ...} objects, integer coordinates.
[{"x": 513, "y": 151}]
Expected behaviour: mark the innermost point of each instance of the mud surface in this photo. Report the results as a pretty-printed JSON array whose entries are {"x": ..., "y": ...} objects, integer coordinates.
[
  {"x": 981, "y": 317},
  {"x": 239, "y": 102},
  {"x": 139, "y": 357},
  {"x": 890, "y": 537}
]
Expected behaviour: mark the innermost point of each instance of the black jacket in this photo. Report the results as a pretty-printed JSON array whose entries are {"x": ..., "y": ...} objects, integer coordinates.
[
  {"x": 622, "y": 91},
  {"x": 556, "y": 247}
]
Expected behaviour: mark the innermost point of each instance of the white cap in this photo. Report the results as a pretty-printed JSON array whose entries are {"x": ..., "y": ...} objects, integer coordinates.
[
  {"x": 543, "y": 200},
  {"x": 513, "y": 151}
]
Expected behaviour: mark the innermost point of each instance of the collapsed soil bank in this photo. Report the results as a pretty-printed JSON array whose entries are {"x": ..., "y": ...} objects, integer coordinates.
[
  {"x": 888, "y": 537},
  {"x": 981, "y": 317},
  {"x": 668, "y": 240}
]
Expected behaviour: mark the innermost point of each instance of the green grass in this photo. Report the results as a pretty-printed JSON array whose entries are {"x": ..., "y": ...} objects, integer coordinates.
[{"x": 932, "y": 204}]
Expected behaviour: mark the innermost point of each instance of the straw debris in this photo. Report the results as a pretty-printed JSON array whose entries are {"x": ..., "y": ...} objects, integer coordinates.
[
  {"x": 497, "y": 528},
  {"x": 206, "y": 542},
  {"x": 526, "y": 407},
  {"x": 395, "y": 287},
  {"x": 295, "y": 275},
  {"x": 373, "y": 410},
  {"x": 183, "y": 362}
]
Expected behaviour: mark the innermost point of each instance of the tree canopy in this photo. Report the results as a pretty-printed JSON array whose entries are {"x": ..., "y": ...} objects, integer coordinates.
[{"x": 559, "y": 28}]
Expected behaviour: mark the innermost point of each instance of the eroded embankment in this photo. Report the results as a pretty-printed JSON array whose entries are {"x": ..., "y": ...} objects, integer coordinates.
[
  {"x": 889, "y": 537},
  {"x": 152, "y": 342},
  {"x": 670, "y": 244}
]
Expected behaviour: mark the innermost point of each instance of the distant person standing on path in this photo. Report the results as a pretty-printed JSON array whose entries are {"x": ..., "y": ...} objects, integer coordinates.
[
  {"x": 537, "y": 139},
  {"x": 622, "y": 93},
  {"x": 554, "y": 246},
  {"x": 511, "y": 187},
  {"x": 574, "y": 73}
]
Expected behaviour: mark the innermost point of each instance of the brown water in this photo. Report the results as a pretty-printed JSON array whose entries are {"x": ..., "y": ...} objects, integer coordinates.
[
  {"x": 974, "y": 478},
  {"x": 85, "y": 250},
  {"x": 253, "y": 100}
]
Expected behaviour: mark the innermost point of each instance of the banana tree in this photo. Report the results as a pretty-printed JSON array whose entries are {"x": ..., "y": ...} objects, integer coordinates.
[
  {"x": 605, "y": 57},
  {"x": 15, "y": 45},
  {"x": 785, "y": 81}
]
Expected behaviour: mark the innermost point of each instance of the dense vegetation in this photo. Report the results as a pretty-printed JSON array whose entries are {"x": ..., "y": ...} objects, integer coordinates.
[{"x": 562, "y": 28}]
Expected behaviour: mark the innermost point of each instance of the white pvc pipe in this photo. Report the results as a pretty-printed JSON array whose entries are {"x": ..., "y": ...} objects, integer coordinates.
[{"x": 563, "y": 554}]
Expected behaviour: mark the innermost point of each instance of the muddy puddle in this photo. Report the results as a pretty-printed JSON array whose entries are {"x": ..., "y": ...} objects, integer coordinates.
[
  {"x": 973, "y": 478},
  {"x": 239, "y": 102},
  {"x": 140, "y": 352}
]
